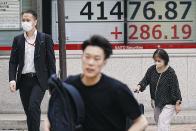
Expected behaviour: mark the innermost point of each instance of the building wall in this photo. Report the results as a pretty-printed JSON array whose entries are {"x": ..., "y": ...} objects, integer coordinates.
[
  {"x": 127, "y": 66},
  {"x": 6, "y": 37}
]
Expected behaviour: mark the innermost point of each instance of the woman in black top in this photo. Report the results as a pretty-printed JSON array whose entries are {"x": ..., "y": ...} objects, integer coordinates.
[{"x": 164, "y": 90}]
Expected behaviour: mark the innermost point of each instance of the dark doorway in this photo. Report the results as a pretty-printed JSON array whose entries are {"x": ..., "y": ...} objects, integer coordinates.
[{"x": 47, "y": 16}]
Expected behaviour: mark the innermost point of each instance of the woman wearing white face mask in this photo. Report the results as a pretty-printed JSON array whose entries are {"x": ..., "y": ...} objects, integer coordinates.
[{"x": 164, "y": 89}]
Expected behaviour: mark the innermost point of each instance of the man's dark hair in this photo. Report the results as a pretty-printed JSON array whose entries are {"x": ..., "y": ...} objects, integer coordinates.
[
  {"x": 99, "y": 41},
  {"x": 30, "y": 12},
  {"x": 161, "y": 53}
]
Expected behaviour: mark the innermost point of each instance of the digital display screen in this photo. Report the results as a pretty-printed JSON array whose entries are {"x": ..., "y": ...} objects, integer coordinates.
[{"x": 134, "y": 23}]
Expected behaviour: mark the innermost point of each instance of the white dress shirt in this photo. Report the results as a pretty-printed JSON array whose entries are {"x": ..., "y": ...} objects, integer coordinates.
[{"x": 29, "y": 66}]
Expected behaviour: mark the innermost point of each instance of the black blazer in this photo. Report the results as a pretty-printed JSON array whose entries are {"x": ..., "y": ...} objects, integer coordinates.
[{"x": 44, "y": 59}]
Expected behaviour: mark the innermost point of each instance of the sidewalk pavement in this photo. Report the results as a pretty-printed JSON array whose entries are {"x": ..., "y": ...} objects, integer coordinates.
[
  {"x": 16, "y": 122},
  {"x": 182, "y": 127}
]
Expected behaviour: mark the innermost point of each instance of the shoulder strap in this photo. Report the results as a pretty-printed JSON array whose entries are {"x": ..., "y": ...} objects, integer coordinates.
[
  {"x": 158, "y": 83},
  {"x": 42, "y": 37},
  {"x": 78, "y": 102}
]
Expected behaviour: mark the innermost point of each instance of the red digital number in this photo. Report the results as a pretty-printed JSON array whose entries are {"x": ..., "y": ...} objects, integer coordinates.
[
  {"x": 156, "y": 33},
  {"x": 175, "y": 35},
  {"x": 145, "y": 32},
  {"x": 132, "y": 36},
  {"x": 186, "y": 29}
]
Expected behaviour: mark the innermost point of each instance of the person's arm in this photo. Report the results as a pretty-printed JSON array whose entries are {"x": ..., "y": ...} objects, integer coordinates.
[
  {"x": 13, "y": 62},
  {"x": 145, "y": 81},
  {"x": 50, "y": 55},
  {"x": 139, "y": 124},
  {"x": 131, "y": 109},
  {"x": 175, "y": 91}
]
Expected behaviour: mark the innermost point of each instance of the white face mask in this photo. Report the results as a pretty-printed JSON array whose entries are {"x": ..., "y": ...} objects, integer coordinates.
[
  {"x": 27, "y": 26},
  {"x": 159, "y": 64}
]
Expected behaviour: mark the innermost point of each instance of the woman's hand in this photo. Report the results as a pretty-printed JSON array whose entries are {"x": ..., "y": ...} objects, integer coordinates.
[
  {"x": 137, "y": 89},
  {"x": 178, "y": 108},
  {"x": 152, "y": 103}
]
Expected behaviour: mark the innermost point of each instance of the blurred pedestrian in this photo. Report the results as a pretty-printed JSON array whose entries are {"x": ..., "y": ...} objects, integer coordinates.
[{"x": 108, "y": 102}]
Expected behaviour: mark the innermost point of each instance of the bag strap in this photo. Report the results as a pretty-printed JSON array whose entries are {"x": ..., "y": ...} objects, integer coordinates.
[
  {"x": 43, "y": 41},
  {"x": 158, "y": 84},
  {"x": 42, "y": 37}
]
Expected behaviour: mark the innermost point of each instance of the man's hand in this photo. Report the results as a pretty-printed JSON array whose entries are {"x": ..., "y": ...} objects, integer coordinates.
[
  {"x": 137, "y": 89},
  {"x": 46, "y": 125},
  {"x": 12, "y": 85},
  {"x": 139, "y": 124}
]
